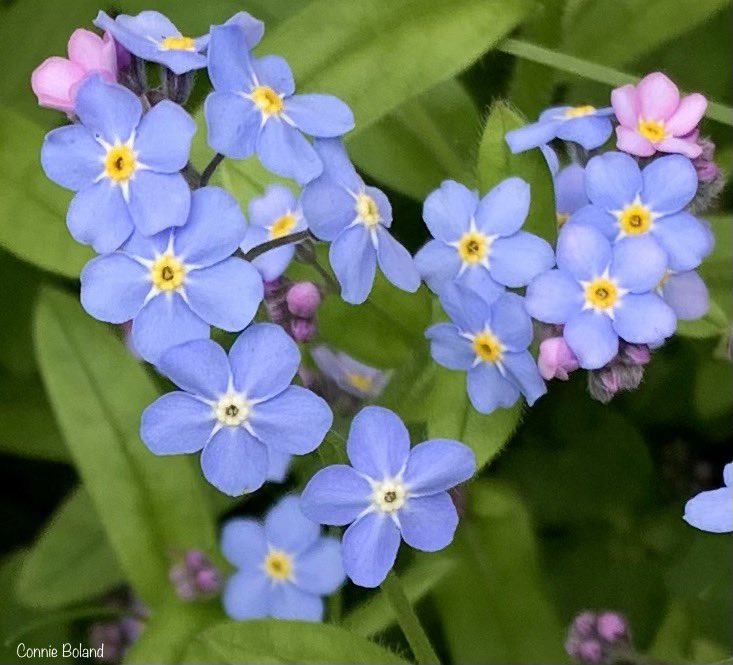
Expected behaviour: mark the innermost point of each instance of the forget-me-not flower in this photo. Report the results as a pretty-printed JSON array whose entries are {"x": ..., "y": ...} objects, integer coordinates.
[
  {"x": 125, "y": 167},
  {"x": 686, "y": 293},
  {"x": 388, "y": 493},
  {"x": 713, "y": 510},
  {"x": 601, "y": 292},
  {"x": 349, "y": 374},
  {"x": 253, "y": 109},
  {"x": 175, "y": 284},
  {"x": 569, "y": 192},
  {"x": 479, "y": 243},
  {"x": 235, "y": 408},
  {"x": 284, "y": 565},
  {"x": 355, "y": 219}
]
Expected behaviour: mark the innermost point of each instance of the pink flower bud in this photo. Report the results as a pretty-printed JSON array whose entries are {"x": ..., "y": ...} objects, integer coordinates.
[
  {"x": 584, "y": 624},
  {"x": 612, "y": 627},
  {"x": 207, "y": 580},
  {"x": 303, "y": 299},
  {"x": 638, "y": 354},
  {"x": 556, "y": 359},
  {"x": 590, "y": 651},
  {"x": 302, "y": 330}
]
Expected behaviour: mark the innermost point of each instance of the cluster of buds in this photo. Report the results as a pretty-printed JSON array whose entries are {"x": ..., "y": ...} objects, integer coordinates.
[
  {"x": 624, "y": 372},
  {"x": 118, "y": 634},
  {"x": 293, "y": 305},
  {"x": 598, "y": 638},
  {"x": 710, "y": 178},
  {"x": 194, "y": 576}
]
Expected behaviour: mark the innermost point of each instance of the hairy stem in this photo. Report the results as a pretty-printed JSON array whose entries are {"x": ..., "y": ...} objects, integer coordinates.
[{"x": 210, "y": 168}]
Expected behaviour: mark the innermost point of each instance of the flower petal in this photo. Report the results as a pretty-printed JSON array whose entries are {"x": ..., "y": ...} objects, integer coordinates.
[
  {"x": 71, "y": 157},
  {"x": 234, "y": 461},
  {"x": 319, "y": 115},
  {"x": 516, "y": 260},
  {"x": 354, "y": 261},
  {"x": 158, "y": 201},
  {"x": 232, "y": 124},
  {"x": 247, "y": 596},
  {"x": 644, "y": 318},
  {"x": 335, "y": 495},
  {"x": 448, "y": 347},
  {"x": 531, "y": 136},
  {"x": 336, "y": 164},
  {"x": 176, "y": 423},
  {"x": 687, "y": 295},
  {"x": 684, "y": 147},
  {"x": 686, "y": 239},
  {"x": 437, "y": 465},
  {"x": 630, "y": 141},
  {"x": 638, "y": 263},
  {"x": 504, "y": 208},
  {"x": 277, "y": 465},
  {"x": 108, "y": 110},
  {"x": 369, "y": 548},
  {"x": 320, "y": 569},
  {"x": 687, "y": 115},
  {"x": 396, "y": 262},
  {"x": 592, "y": 339},
  {"x": 275, "y": 202},
  {"x": 114, "y": 287},
  {"x": 466, "y": 308},
  {"x": 428, "y": 523},
  {"x": 711, "y": 511},
  {"x": 511, "y": 323},
  {"x": 200, "y": 367},
  {"x": 625, "y": 102},
  {"x": 583, "y": 251},
  {"x": 592, "y": 215},
  {"x": 285, "y": 151},
  {"x": 590, "y": 131},
  {"x": 328, "y": 207},
  {"x": 53, "y": 82},
  {"x": 378, "y": 444},
  {"x": 658, "y": 96},
  {"x": 98, "y": 216},
  {"x": 163, "y": 138},
  {"x": 287, "y": 601},
  {"x": 243, "y": 543},
  {"x": 553, "y": 297},
  {"x": 488, "y": 389},
  {"x": 437, "y": 264},
  {"x": 612, "y": 180},
  {"x": 447, "y": 211},
  {"x": 274, "y": 71},
  {"x": 670, "y": 183},
  {"x": 287, "y": 528},
  {"x": 570, "y": 189},
  {"x": 229, "y": 61},
  {"x": 523, "y": 369}
]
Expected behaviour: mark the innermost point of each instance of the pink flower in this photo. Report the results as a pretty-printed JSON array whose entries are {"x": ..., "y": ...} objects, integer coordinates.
[
  {"x": 56, "y": 79},
  {"x": 653, "y": 117},
  {"x": 556, "y": 359}
]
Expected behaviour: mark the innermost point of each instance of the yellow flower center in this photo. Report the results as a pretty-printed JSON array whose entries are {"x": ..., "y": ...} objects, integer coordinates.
[
  {"x": 562, "y": 217},
  {"x": 119, "y": 163},
  {"x": 367, "y": 210},
  {"x": 579, "y": 111},
  {"x": 601, "y": 293},
  {"x": 651, "y": 129},
  {"x": 359, "y": 381},
  {"x": 635, "y": 219},
  {"x": 282, "y": 225},
  {"x": 389, "y": 495},
  {"x": 487, "y": 347},
  {"x": 167, "y": 272},
  {"x": 278, "y": 565},
  {"x": 473, "y": 247},
  {"x": 267, "y": 100},
  {"x": 179, "y": 43},
  {"x": 231, "y": 410}
]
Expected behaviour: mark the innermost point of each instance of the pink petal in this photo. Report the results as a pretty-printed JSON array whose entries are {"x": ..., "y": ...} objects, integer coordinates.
[
  {"x": 688, "y": 115},
  {"x": 659, "y": 97},
  {"x": 53, "y": 80},
  {"x": 634, "y": 143},
  {"x": 625, "y": 102},
  {"x": 109, "y": 54},
  {"x": 89, "y": 51},
  {"x": 681, "y": 146}
]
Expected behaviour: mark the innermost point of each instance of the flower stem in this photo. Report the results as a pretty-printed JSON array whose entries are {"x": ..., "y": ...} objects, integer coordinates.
[
  {"x": 409, "y": 623},
  {"x": 210, "y": 168},
  {"x": 272, "y": 244}
]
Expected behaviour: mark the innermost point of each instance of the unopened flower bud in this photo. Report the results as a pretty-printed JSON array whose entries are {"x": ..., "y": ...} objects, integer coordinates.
[
  {"x": 302, "y": 330},
  {"x": 612, "y": 627},
  {"x": 556, "y": 359},
  {"x": 303, "y": 299},
  {"x": 194, "y": 576},
  {"x": 636, "y": 354},
  {"x": 591, "y": 651}
]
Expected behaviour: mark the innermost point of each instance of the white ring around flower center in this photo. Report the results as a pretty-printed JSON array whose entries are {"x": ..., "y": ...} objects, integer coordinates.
[
  {"x": 232, "y": 409},
  {"x": 389, "y": 495}
]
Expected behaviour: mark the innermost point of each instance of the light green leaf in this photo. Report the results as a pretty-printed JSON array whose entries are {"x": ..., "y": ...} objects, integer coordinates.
[
  {"x": 71, "y": 561},
  {"x": 717, "y": 268},
  {"x": 150, "y": 506},
  {"x": 713, "y": 324}
]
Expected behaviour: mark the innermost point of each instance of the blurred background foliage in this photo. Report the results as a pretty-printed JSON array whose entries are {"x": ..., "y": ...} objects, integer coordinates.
[{"x": 582, "y": 508}]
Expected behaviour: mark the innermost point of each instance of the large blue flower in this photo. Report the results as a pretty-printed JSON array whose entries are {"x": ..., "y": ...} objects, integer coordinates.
[
  {"x": 235, "y": 408},
  {"x": 602, "y": 292},
  {"x": 713, "y": 510},
  {"x": 586, "y": 125},
  {"x": 349, "y": 374},
  {"x": 489, "y": 342},
  {"x": 124, "y": 166},
  {"x": 388, "y": 492},
  {"x": 626, "y": 202},
  {"x": 175, "y": 284},
  {"x": 152, "y": 36},
  {"x": 478, "y": 243},
  {"x": 284, "y": 565},
  {"x": 354, "y": 217},
  {"x": 253, "y": 109}
]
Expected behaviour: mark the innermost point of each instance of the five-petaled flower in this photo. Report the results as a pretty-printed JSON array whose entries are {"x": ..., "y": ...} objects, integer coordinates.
[
  {"x": 284, "y": 565},
  {"x": 713, "y": 510},
  {"x": 389, "y": 492}
]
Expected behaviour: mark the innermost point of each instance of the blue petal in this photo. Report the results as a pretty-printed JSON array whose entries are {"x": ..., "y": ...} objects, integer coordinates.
[
  {"x": 277, "y": 465},
  {"x": 503, "y": 210},
  {"x": 687, "y": 295},
  {"x": 551, "y": 158},
  {"x": 163, "y": 139},
  {"x": 114, "y": 287},
  {"x": 247, "y": 596},
  {"x": 477, "y": 279},
  {"x": 253, "y": 28},
  {"x": 295, "y": 421},
  {"x": 243, "y": 543},
  {"x": 273, "y": 263},
  {"x": 335, "y": 495},
  {"x": 511, "y": 323},
  {"x": 437, "y": 264},
  {"x": 612, "y": 180},
  {"x": 711, "y": 511},
  {"x": 319, "y": 115},
  {"x": 638, "y": 263},
  {"x": 378, "y": 444},
  {"x": 383, "y": 204},
  {"x": 264, "y": 360},
  {"x": 285, "y": 151},
  {"x": 71, "y": 157},
  {"x": 448, "y": 210},
  {"x": 287, "y": 601},
  {"x": 488, "y": 389},
  {"x": 234, "y": 461},
  {"x": 98, "y": 216},
  {"x": 200, "y": 367},
  {"x": 438, "y": 465},
  {"x": 516, "y": 260},
  {"x": 274, "y": 71},
  {"x": 466, "y": 308},
  {"x": 554, "y": 297},
  {"x": 275, "y": 202},
  {"x": 644, "y": 318},
  {"x": 232, "y": 124},
  {"x": 448, "y": 347},
  {"x": 328, "y": 207},
  {"x": 596, "y": 217},
  {"x": 396, "y": 262},
  {"x": 319, "y": 569},
  {"x": 523, "y": 369},
  {"x": 336, "y": 163},
  {"x": 532, "y": 135},
  {"x": 686, "y": 239},
  {"x": 354, "y": 261},
  {"x": 158, "y": 201},
  {"x": 229, "y": 62},
  {"x": 589, "y": 131},
  {"x": 670, "y": 183},
  {"x": 570, "y": 189},
  {"x": 225, "y": 295},
  {"x": 146, "y": 247},
  {"x": 583, "y": 251},
  {"x": 592, "y": 339},
  {"x": 108, "y": 110},
  {"x": 176, "y": 423},
  {"x": 287, "y": 528},
  {"x": 728, "y": 474},
  {"x": 429, "y": 522},
  {"x": 369, "y": 549}
]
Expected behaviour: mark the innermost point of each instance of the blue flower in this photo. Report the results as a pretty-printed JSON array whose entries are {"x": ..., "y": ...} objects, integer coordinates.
[
  {"x": 586, "y": 125},
  {"x": 284, "y": 565},
  {"x": 124, "y": 166},
  {"x": 253, "y": 109},
  {"x": 151, "y": 36},
  {"x": 273, "y": 215},
  {"x": 628, "y": 202},
  {"x": 569, "y": 192},
  {"x": 175, "y": 284},
  {"x": 389, "y": 492},
  {"x": 235, "y": 408},
  {"x": 478, "y": 243},
  {"x": 713, "y": 510},
  {"x": 602, "y": 292},
  {"x": 488, "y": 341},
  {"x": 350, "y": 375},
  {"x": 685, "y": 293},
  {"x": 354, "y": 217}
]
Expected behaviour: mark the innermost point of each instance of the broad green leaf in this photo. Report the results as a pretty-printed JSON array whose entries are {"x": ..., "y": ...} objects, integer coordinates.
[
  {"x": 712, "y": 388},
  {"x": 71, "y": 561},
  {"x": 496, "y": 163},
  {"x": 149, "y": 506},
  {"x": 717, "y": 268},
  {"x": 278, "y": 641}
]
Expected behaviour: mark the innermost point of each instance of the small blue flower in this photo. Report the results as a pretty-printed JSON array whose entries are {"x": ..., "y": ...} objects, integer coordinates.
[
  {"x": 601, "y": 292},
  {"x": 235, "y": 408},
  {"x": 713, "y": 511},
  {"x": 175, "y": 284},
  {"x": 569, "y": 192},
  {"x": 284, "y": 565},
  {"x": 586, "y": 125},
  {"x": 626, "y": 202},
  {"x": 152, "y": 36},
  {"x": 124, "y": 166},
  {"x": 389, "y": 492},
  {"x": 350, "y": 375},
  {"x": 488, "y": 341},
  {"x": 275, "y": 214},
  {"x": 354, "y": 217},
  {"x": 478, "y": 243},
  {"x": 253, "y": 109},
  {"x": 685, "y": 293}
]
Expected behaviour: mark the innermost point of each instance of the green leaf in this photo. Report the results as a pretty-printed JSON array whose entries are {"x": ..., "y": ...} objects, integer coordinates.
[
  {"x": 713, "y": 324},
  {"x": 717, "y": 268},
  {"x": 278, "y": 641},
  {"x": 496, "y": 162},
  {"x": 71, "y": 561},
  {"x": 150, "y": 506}
]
